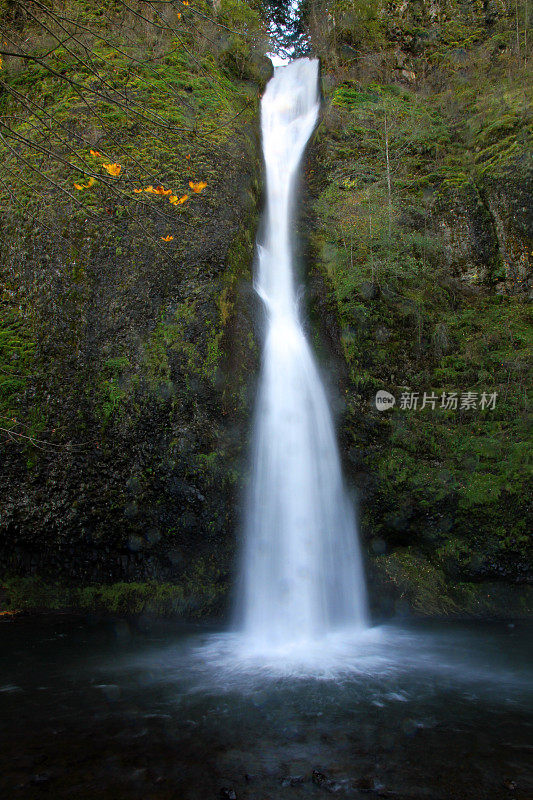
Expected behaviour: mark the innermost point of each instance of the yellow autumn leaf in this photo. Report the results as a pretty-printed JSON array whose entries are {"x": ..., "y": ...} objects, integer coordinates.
[
  {"x": 113, "y": 169},
  {"x": 158, "y": 190},
  {"x": 178, "y": 201},
  {"x": 197, "y": 187},
  {"x": 1, "y": 62},
  {"x": 80, "y": 186},
  {"x": 166, "y": 238},
  {"x": 138, "y": 191},
  {"x": 95, "y": 153},
  {"x": 179, "y": 15}
]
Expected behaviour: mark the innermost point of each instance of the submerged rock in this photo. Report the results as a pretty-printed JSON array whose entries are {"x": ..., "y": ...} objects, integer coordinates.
[
  {"x": 295, "y": 780},
  {"x": 322, "y": 780}
]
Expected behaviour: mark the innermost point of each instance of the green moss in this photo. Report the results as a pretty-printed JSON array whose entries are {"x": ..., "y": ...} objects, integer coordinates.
[
  {"x": 164, "y": 117},
  {"x": 410, "y": 276},
  {"x": 17, "y": 358},
  {"x": 418, "y": 582},
  {"x": 199, "y": 595},
  {"x": 427, "y": 590},
  {"x": 112, "y": 389},
  {"x": 16, "y": 352}
]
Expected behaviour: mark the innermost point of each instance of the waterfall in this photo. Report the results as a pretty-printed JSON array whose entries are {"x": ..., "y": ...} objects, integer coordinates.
[{"x": 301, "y": 566}]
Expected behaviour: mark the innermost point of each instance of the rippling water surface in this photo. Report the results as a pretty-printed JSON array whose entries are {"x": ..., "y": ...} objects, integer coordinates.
[{"x": 156, "y": 710}]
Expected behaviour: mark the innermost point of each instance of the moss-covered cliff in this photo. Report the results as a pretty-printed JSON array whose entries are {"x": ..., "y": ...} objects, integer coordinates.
[
  {"x": 126, "y": 342},
  {"x": 422, "y": 239}
]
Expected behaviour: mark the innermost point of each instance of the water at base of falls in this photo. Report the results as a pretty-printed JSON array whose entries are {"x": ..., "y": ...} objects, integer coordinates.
[{"x": 301, "y": 568}]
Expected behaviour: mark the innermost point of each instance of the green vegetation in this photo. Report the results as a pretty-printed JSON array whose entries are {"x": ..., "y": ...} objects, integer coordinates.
[
  {"x": 422, "y": 247},
  {"x": 200, "y": 595},
  {"x": 130, "y": 198},
  {"x": 17, "y": 354},
  {"x": 126, "y": 334},
  {"x": 148, "y": 91},
  {"x": 425, "y": 589}
]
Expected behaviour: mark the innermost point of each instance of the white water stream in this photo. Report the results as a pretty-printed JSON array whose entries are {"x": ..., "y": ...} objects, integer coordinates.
[{"x": 301, "y": 572}]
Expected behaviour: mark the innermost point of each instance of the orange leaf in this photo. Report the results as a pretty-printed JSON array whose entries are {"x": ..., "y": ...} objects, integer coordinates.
[
  {"x": 158, "y": 190},
  {"x": 95, "y": 153},
  {"x": 197, "y": 187},
  {"x": 138, "y": 191},
  {"x": 178, "y": 201},
  {"x": 80, "y": 186},
  {"x": 179, "y": 15},
  {"x": 166, "y": 238},
  {"x": 113, "y": 169}
]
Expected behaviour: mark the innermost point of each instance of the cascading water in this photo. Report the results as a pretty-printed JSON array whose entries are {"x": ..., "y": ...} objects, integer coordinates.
[{"x": 301, "y": 573}]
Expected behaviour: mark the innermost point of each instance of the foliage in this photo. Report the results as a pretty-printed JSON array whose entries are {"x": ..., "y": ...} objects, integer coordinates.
[
  {"x": 199, "y": 595},
  {"x": 287, "y": 27},
  {"x": 422, "y": 246},
  {"x": 130, "y": 202},
  {"x": 424, "y": 588},
  {"x": 17, "y": 353}
]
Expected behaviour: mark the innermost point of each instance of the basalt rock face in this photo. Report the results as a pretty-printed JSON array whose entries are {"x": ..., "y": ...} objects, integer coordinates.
[
  {"x": 421, "y": 243},
  {"x": 127, "y": 357},
  {"x": 127, "y": 343}
]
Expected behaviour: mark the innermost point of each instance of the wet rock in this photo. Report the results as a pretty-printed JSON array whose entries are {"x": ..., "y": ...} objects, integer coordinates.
[
  {"x": 133, "y": 485},
  {"x": 409, "y": 75},
  {"x": 131, "y": 510},
  {"x": 318, "y": 778},
  {"x": 227, "y": 794},
  {"x": 366, "y": 783},
  {"x": 382, "y": 334},
  {"x": 135, "y": 543},
  {"x": 110, "y": 691},
  {"x": 321, "y": 780},
  {"x": 153, "y": 535},
  {"x": 368, "y": 291},
  {"x": 41, "y": 779},
  {"x": 295, "y": 780}
]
